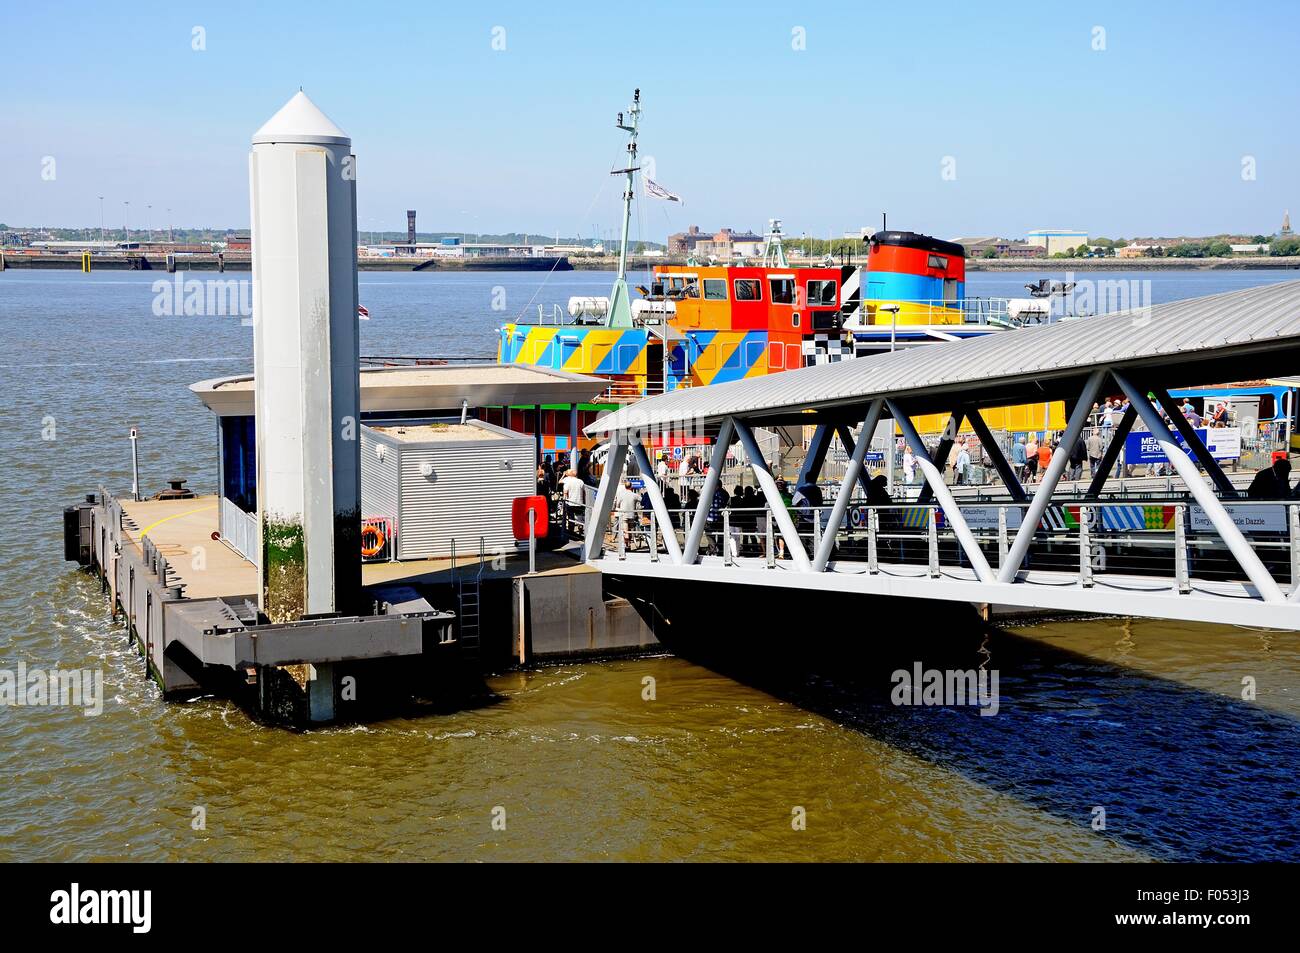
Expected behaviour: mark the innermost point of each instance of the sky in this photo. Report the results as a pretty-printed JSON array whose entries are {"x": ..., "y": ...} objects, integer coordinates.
[{"x": 957, "y": 119}]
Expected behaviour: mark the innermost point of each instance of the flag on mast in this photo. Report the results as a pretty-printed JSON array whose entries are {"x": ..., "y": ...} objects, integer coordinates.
[{"x": 655, "y": 190}]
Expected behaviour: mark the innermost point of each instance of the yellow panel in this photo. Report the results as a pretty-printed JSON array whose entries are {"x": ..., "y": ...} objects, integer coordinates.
[
  {"x": 911, "y": 312},
  {"x": 1018, "y": 419}
]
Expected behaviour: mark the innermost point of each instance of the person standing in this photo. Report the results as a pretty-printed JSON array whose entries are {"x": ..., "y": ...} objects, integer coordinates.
[
  {"x": 1018, "y": 458},
  {"x": 1096, "y": 447},
  {"x": 1044, "y": 456},
  {"x": 909, "y": 465},
  {"x": 625, "y": 503},
  {"x": 1031, "y": 458},
  {"x": 1077, "y": 455},
  {"x": 961, "y": 469},
  {"x": 575, "y": 500}
]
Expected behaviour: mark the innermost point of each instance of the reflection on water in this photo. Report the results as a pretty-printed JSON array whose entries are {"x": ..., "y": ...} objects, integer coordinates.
[{"x": 1144, "y": 719}]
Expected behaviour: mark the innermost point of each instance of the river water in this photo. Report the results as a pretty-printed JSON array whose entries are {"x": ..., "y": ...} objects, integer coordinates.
[{"x": 1144, "y": 720}]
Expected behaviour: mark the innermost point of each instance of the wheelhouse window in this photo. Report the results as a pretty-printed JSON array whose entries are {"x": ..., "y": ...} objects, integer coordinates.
[
  {"x": 782, "y": 290},
  {"x": 938, "y": 261},
  {"x": 821, "y": 294},
  {"x": 748, "y": 289},
  {"x": 715, "y": 289}
]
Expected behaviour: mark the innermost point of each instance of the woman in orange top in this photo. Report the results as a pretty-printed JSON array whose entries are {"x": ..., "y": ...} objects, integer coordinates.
[{"x": 1044, "y": 456}]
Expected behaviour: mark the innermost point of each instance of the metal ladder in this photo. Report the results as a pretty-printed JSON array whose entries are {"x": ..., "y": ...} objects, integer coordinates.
[{"x": 468, "y": 589}]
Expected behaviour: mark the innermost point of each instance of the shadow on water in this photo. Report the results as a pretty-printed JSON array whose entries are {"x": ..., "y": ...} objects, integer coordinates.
[{"x": 1182, "y": 773}]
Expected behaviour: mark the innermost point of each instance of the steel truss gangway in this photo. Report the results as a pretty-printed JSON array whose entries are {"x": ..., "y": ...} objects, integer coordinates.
[{"x": 1205, "y": 557}]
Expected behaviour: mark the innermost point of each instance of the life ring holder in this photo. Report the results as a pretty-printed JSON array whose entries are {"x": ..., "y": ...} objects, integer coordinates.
[{"x": 380, "y": 540}]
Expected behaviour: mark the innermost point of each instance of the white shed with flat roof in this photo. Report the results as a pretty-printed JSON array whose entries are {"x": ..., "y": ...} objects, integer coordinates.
[{"x": 438, "y": 481}]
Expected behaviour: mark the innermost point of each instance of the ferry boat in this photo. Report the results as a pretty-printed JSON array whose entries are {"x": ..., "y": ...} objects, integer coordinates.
[{"x": 701, "y": 324}]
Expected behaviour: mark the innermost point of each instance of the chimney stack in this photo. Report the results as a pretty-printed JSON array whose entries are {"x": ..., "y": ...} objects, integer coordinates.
[{"x": 410, "y": 226}]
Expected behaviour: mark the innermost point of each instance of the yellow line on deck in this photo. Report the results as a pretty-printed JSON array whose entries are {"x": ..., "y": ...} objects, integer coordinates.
[{"x": 175, "y": 516}]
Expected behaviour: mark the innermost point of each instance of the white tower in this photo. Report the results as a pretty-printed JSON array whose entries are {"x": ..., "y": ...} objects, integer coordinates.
[{"x": 306, "y": 362}]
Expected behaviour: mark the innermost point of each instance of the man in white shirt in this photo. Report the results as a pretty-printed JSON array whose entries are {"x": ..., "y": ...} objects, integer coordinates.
[
  {"x": 625, "y": 511},
  {"x": 575, "y": 499},
  {"x": 661, "y": 471}
]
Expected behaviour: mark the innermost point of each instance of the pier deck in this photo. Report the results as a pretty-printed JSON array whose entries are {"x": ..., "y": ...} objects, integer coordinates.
[{"x": 182, "y": 531}]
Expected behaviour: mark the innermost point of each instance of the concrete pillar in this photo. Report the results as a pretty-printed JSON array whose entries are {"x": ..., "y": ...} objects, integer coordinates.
[
  {"x": 320, "y": 693},
  {"x": 306, "y": 359}
]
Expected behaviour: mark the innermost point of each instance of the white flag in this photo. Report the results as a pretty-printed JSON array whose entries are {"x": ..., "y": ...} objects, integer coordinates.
[{"x": 656, "y": 190}]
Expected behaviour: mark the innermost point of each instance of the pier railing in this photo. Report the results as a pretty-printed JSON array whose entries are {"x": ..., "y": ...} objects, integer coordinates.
[
  {"x": 1168, "y": 545},
  {"x": 238, "y": 530}
]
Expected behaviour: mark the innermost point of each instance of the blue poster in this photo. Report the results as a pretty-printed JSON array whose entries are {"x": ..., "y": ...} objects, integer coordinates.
[{"x": 1224, "y": 443}]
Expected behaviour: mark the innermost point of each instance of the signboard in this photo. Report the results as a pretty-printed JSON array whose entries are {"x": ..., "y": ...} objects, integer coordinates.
[
  {"x": 1269, "y": 518},
  {"x": 1224, "y": 443}
]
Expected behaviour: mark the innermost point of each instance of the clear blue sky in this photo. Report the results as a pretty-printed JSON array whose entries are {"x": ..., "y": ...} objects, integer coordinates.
[{"x": 1144, "y": 137}]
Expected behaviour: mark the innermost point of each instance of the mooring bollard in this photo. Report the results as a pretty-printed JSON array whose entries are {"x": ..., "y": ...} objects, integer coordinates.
[{"x": 532, "y": 541}]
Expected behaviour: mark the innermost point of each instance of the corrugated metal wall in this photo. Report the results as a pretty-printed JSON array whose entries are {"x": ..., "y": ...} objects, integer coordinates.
[
  {"x": 379, "y": 492},
  {"x": 469, "y": 495}
]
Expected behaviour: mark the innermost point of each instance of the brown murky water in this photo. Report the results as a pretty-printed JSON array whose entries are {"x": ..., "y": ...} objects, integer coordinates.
[{"x": 1143, "y": 719}]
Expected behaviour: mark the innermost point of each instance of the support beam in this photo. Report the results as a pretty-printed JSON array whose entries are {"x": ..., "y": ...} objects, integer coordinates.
[
  {"x": 940, "y": 458},
  {"x": 850, "y": 446},
  {"x": 609, "y": 482},
  {"x": 657, "y": 503},
  {"x": 1184, "y": 428},
  {"x": 816, "y": 456},
  {"x": 1112, "y": 453},
  {"x": 537, "y": 433},
  {"x": 851, "y": 473},
  {"x": 1264, "y": 583},
  {"x": 1051, "y": 477},
  {"x": 793, "y": 544},
  {"x": 573, "y": 437},
  {"x": 934, "y": 479},
  {"x": 711, "y": 480},
  {"x": 995, "y": 453}
]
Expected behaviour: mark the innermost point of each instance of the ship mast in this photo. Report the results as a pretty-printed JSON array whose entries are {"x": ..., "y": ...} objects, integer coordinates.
[
  {"x": 773, "y": 250},
  {"x": 620, "y": 307}
]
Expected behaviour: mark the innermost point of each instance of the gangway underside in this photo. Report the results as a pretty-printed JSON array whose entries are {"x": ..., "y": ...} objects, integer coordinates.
[{"x": 1216, "y": 601}]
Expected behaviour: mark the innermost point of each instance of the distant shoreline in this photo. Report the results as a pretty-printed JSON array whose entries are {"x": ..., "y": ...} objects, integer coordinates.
[
  {"x": 1133, "y": 264},
  {"x": 637, "y": 263}
]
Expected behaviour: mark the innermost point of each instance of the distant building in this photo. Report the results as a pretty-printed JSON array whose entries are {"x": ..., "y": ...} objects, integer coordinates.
[
  {"x": 1256, "y": 248},
  {"x": 1003, "y": 247},
  {"x": 1134, "y": 251},
  {"x": 728, "y": 245},
  {"x": 239, "y": 241},
  {"x": 683, "y": 243},
  {"x": 451, "y": 249},
  {"x": 1286, "y": 224},
  {"x": 1057, "y": 240}
]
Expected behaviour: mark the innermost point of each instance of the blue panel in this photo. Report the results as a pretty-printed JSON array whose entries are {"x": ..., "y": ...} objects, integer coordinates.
[
  {"x": 239, "y": 462},
  {"x": 894, "y": 286}
]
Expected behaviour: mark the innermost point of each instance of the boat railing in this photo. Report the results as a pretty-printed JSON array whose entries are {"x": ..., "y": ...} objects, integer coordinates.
[
  {"x": 987, "y": 312},
  {"x": 411, "y": 360},
  {"x": 627, "y": 390}
]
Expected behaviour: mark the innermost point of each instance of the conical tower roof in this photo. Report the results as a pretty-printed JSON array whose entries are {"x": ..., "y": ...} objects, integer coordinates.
[{"x": 299, "y": 120}]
